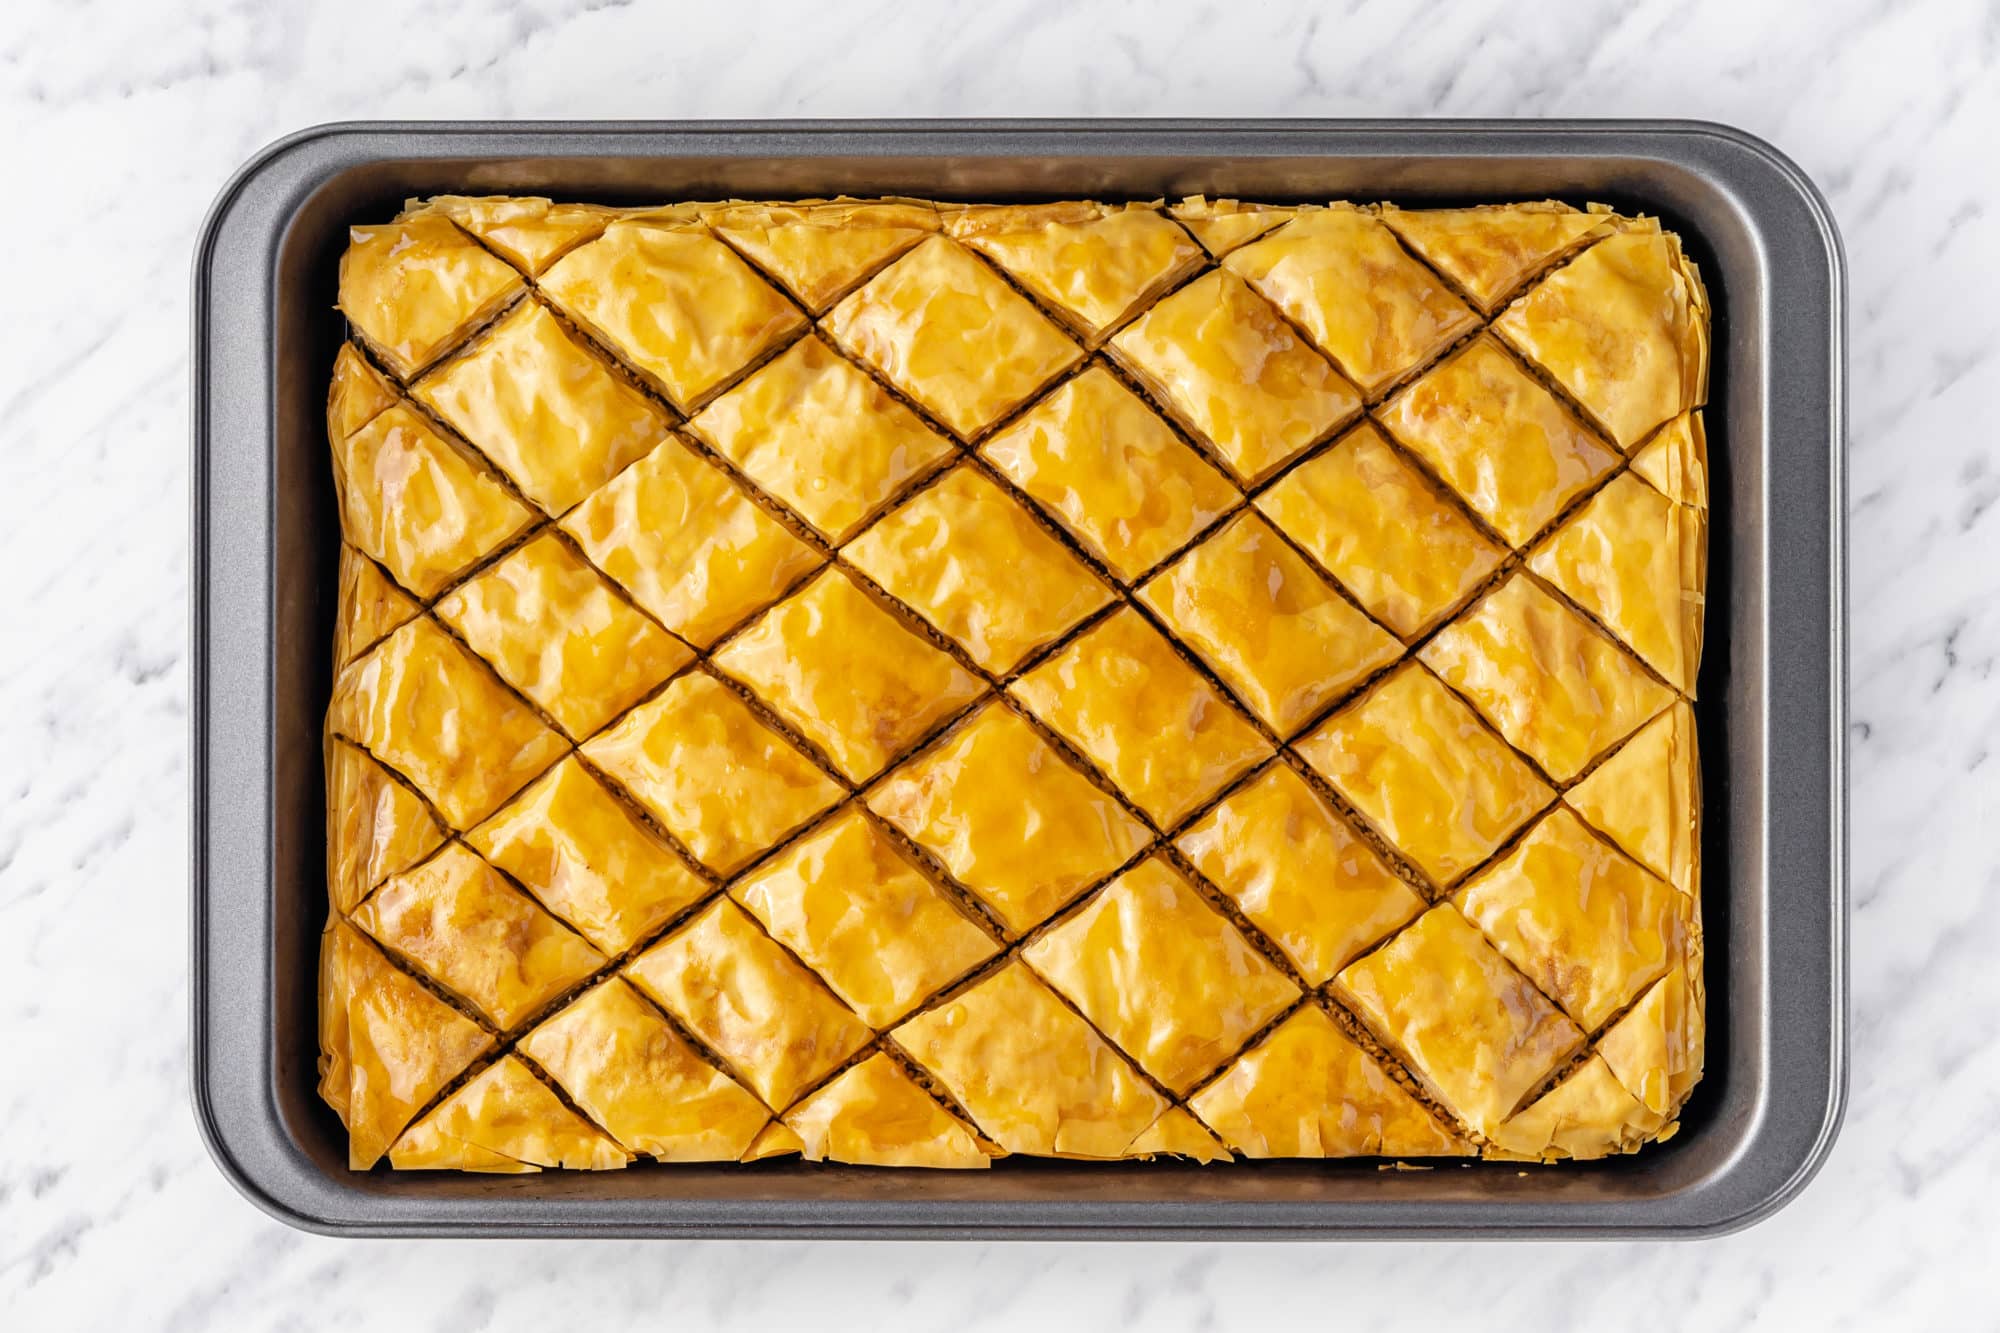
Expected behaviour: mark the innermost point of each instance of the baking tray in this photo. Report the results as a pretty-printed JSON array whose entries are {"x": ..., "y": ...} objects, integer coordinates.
[{"x": 1772, "y": 686}]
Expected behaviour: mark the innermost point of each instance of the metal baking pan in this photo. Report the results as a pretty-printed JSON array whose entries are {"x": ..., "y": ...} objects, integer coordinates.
[{"x": 1770, "y": 715}]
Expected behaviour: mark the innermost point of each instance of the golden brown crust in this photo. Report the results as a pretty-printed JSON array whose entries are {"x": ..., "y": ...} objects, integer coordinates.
[
  {"x": 1422, "y": 769},
  {"x": 822, "y": 249},
  {"x": 1162, "y": 974},
  {"x": 1379, "y": 526},
  {"x": 1490, "y": 250},
  {"x": 750, "y": 1001},
  {"x": 547, "y": 411},
  {"x": 1623, "y": 329},
  {"x": 1092, "y": 263},
  {"x": 557, "y": 632},
  {"x": 994, "y": 786},
  {"x": 415, "y": 287},
  {"x": 947, "y": 331},
  {"x": 504, "y": 1120},
  {"x": 1549, "y": 681},
  {"x": 714, "y": 774},
  {"x": 401, "y": 1046},
  {"x": 458, "y": 920},
  {"x": 679, "y": 306},
  {"x": 1264, "y": 620},
  {"x": 692, "y": 550},
  {"x": 1223, "y": 224},
  {"x": 433, "y": 712},
  {"x": 630, "y": 1072},
  {"x": 901, "y": 684},
  {"x": 1299, "y": 872},
  {"x": 844, "y": 672},
  {"x": 1339, "y": 274},
  {"x": 1036, "y": 1078},
  {"x": 418, "y": 502},
  {"x": 1122, "y": 696},
  {"x": 1111, "y": 472},
  {"x": 870, "y": 923},
  {"x": 588, "y": 859},
  {"x": 876, "y": 1115},
  {"x": 1306, "y": 1090},
  {"x": 1224, "y": 361},
  {"x": 371, "y": 607},
  {"x": 821, "y": 436},
  {"x": 1506, "y": 445},
  {"x": 968, "y": 558}
]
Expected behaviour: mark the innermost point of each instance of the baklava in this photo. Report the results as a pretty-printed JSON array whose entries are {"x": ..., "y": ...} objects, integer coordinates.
[{"x": 909, "y": 684}]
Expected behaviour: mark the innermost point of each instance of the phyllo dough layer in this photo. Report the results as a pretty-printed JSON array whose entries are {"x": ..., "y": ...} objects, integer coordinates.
[{"x": 907, "y": 684}]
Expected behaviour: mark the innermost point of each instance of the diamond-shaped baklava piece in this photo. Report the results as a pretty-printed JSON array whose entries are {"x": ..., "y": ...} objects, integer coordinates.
[
  {"x": 1035, "y": 1077},
  {"x": 1379, "y": 526},
  {"x": 395, "y": 1043},
  {"x": 356, "y": 394},
  {"x": 1622, "y": 327},
  {"x": 1490, "y": 251},
  {"x": 418, "y": 503},
  {"x": 1587, "y": 1115},
  {"x": 1298, "y": 872},
  {"x": 874, "y": 927},
  {"x": 690, "y": 547},
  {"x": 1223, "y": 224},
  {"x": 1235, "y": 373},
  {"x": 547, "y": 411},
  {"x": 528, "y": 233},
  {"x": 1421, "y": 767},
  {"x": 376, "y": 826},
  {"x": 1657, "y": 1048},
  {"x": 1637, "y": 561},
  {"x": 821, "y": 250},
  {"x": 876, "y": 1115},
  {"x": 1647, "y": 796},
  {"x": 1268, "y": 623},
  {"x": 967, "y": 557},
  {"x": 555, "y": 630},
  {"x": 1163, "y": 974},
  {"x": 1095, "y": 263},
  {"x": 627, "y": 1068},
  {"x": 852, "y": 678},
  {"x": 1111, "y": 471},
  {"x": 589, "y": 860},
  {"x": 749, "y": 1000},
  {"x": 947, "y": 331},
  {"x": 434, "y": 713},
  {"x": 505, "y": 1120},
  {"x": 1585, "y": 922},
  {"x": 415, "y": 286},
  {"x": 1548, "y": 680},
  {"x": 1307, "y": 1090},
  {"x": 472, "y": 932},
  {"x": 699, "y": 760},
  {"x": 1343, "y": 278},
  {"x": 1161, "y": 733},
  {"x": 1498, "y": 438},
  {"x": 821, "y": 436},
  {"x": 995, "y": 787},
  {"x": 1477, "y": 1031},
  {"x": 371, "y": 606},
  {"x": 680, "y": 306},
  {"x": 1675, "y": 460}
]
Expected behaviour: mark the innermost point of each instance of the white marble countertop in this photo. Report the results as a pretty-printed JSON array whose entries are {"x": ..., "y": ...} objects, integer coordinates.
[{"x": 123, "y": 118}]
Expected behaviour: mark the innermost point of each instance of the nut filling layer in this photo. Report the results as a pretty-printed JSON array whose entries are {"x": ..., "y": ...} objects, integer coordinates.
[{"x": 912, "y": 684}]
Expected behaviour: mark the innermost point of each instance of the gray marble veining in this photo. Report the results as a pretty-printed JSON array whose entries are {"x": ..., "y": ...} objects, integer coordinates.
[{"x": 122, "y": 120}]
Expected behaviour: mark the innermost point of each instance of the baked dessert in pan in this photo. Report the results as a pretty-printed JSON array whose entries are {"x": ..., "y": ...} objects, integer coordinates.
[{"x": 910, "y": 684}]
